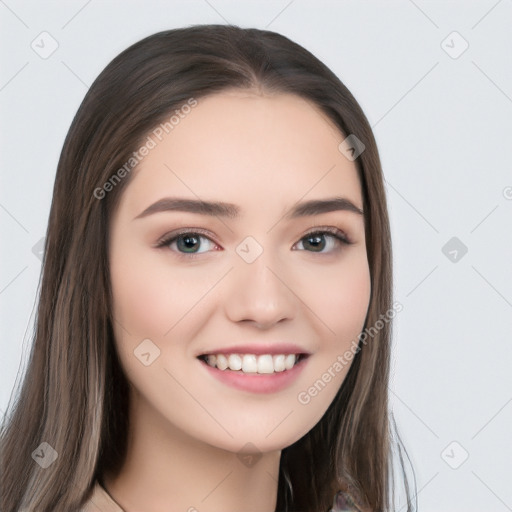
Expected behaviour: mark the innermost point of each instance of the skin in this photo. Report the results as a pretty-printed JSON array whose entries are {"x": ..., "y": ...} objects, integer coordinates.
[{"x": 263, "y": 153}]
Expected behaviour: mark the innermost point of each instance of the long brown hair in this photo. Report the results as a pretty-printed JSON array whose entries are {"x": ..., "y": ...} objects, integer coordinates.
[{"x": 74, "y": 394}]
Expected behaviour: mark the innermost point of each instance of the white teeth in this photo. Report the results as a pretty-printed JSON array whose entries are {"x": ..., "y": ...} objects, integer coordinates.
[
  {"x": 251, "y": 363},
  {"x": 289, "y": 361},
  {"x": 235, "y": 362},
  {"x": 265, "y": 364},
  {"x": 279, "y": 363},
  {"x": 222, "y": 362}
]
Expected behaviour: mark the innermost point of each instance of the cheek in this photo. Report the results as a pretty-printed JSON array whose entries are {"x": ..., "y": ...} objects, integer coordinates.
[
  {"x": 139, "y": 301},
  {"x": 339, "y": 295},
  {"x": 347, "y": 302},
  {"x": 148, "y": 297},
  {"x": 340, "y": 301}
]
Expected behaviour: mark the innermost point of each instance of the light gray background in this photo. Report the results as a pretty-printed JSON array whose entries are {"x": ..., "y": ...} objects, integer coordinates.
[{"x": 442, "y": 123}]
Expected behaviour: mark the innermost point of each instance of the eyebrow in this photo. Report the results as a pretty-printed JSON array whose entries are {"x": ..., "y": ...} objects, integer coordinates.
[{"x": 231, "y": 211}]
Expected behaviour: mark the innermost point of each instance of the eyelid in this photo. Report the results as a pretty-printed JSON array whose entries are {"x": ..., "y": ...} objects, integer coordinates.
[
  {"x": 329, "y": 229},
  {"x": 168, "y": 237}
]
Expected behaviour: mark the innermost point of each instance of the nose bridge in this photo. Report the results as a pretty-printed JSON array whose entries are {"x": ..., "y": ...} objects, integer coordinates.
[{"x": 258, "y": 291}]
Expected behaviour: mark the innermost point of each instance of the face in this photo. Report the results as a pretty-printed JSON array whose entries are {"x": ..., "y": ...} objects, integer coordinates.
[{"x": 242, "y": 284}]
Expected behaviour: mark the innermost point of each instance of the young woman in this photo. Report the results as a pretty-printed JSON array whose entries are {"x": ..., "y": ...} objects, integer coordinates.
[{"x": 214, "y": 320}]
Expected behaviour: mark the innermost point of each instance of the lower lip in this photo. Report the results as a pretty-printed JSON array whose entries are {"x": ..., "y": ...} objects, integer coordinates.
[{"x": 257, "y": 382}]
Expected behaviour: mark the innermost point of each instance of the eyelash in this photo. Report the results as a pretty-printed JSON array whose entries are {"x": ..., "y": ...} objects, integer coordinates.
[{"x": 335, "y": 233}]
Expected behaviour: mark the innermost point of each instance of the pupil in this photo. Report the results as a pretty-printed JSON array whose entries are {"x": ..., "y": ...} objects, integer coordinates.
[
  {"x": 317, "y": 240},
  {"x": 187, "y": 241}
]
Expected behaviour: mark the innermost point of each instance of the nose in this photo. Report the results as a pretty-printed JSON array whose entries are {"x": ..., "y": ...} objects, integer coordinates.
[{"x": 259, "y": 294}]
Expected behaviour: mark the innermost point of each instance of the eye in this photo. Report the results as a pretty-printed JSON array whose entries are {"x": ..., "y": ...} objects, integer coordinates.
[
  {"x": 317, "y": 240},
  {"x": 186, "y": 242}
]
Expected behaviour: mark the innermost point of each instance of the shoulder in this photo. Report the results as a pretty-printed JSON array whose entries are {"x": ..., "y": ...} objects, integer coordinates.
[{"x": 100, "y": 501}]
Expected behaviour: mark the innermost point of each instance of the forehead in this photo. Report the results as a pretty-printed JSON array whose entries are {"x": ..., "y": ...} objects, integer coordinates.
[{"x": 249, "y": 149}]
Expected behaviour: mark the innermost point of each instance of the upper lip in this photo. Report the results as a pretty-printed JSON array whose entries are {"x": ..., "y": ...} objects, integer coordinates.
[{"x": 258, "y": 349}]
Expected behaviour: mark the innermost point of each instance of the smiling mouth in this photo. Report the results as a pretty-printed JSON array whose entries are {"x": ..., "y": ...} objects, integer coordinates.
[{"x": 252, "y": 363}]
